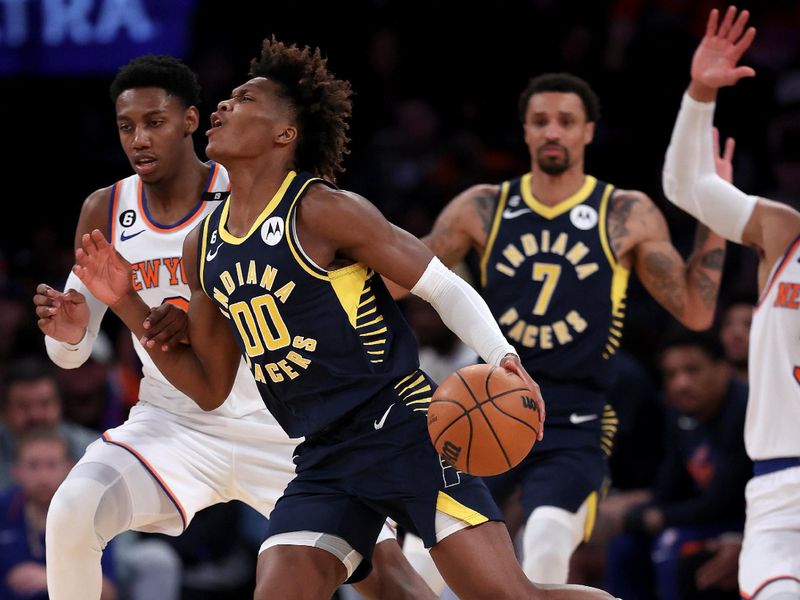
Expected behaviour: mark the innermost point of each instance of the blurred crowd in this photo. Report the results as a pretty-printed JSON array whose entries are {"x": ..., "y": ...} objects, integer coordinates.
[{"x": 435, "y": 112}]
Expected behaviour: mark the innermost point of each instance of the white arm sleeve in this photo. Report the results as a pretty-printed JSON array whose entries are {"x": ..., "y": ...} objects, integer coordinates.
[
  {"x": 463, "y": 311},
  {"x": 72, "y": 356},
  {"x": 690, "y": 179}
]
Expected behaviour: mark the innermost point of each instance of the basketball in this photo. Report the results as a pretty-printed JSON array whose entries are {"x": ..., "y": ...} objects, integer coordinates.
[{"x": 483, "y": 420}]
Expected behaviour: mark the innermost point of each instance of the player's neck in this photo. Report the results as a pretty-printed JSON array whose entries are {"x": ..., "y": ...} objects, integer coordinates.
[
  {"x": 553, "y": 189},
  {"x": 253, "y": 185},
  {"x": 169, "y": 199}
]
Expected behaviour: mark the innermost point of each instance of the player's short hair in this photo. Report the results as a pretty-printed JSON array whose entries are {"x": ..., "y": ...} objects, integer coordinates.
[
  {"x": 320, "y": 102},
  {"x": 561, "y": 82},
  {"x": 159, "y": 71},
  {"x": 707, "y": 341}
]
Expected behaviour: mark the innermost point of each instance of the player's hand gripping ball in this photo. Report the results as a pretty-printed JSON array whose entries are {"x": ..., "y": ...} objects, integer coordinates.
[{"x": 483, "y": 420}]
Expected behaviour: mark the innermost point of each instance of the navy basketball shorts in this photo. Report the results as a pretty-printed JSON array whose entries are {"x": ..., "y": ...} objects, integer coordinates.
[
  {"x": 378, "y": 463},
  {"x": 571, "y": 463}
]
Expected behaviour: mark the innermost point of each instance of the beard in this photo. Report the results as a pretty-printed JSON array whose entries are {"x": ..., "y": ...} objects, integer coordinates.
[{"x": 553, "y": 165}]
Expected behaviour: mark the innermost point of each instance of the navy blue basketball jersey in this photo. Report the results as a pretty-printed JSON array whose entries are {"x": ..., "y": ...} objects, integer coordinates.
[
  {"x": 319, "y": 343},
  {"x": 553, "y": 283}
]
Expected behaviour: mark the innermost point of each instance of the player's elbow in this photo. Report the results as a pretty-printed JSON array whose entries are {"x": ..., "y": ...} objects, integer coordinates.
[{"x": 698, "y": 321}]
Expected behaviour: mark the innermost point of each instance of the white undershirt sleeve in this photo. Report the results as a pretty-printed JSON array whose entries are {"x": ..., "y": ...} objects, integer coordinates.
[
  {"x": 463, "y": 311},
  {"x": 690, "y": 179},
  {"x": 72, "y": 356}
]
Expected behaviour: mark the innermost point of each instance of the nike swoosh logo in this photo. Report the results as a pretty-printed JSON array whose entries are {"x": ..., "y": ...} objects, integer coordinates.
[
  {"x": 577, "y": 419},
  {"x": 125, "y": 238},
  {"x": 512, "y": 214},
  {"x": 213, "y": 254},
  {"x": 379, "y": 424}
]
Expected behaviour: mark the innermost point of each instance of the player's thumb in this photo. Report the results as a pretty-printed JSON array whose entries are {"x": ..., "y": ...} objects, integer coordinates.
[{"x": 74, "y": 296}]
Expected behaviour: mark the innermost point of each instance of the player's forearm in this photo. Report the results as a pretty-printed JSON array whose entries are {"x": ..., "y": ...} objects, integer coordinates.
[
  {"x": 690, "y": 179},
  {"x": 181, "y": 365},
  {"x": 703, "y": 278}
]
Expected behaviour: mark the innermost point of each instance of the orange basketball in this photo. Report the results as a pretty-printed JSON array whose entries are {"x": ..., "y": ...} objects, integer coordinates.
[{"x": 483, "y": 420}]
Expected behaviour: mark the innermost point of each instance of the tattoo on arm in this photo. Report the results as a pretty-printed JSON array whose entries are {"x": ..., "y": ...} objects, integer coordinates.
[
  {"x": 485, "y": 206},
  {"x": 621, "y": 206},
  {"x": 659, "y": 270},
  {"x": 713, "y": 259},
  {"x": 705, "y": 277}
]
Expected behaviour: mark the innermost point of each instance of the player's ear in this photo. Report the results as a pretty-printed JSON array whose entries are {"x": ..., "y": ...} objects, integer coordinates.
[
  {"x": 191, "y": 120},
  {"x": 287, "y": 135},
  {"x": 589, "y": 133}
]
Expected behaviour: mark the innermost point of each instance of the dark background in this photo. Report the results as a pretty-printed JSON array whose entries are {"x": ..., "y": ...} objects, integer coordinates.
[{"x": 435, "y": 109}]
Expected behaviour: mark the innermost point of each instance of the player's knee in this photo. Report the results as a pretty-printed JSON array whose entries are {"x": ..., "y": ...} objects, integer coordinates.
[
  {"x": 83, "y": 513},
  {"x": 547, "y": 547},
  {"x": 70, "y": 518}
]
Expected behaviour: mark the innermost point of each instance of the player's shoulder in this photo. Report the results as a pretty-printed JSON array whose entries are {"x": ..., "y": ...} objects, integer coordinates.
[
  {"x": 324, "y": 202},
  {"x": 630, "y": 199},
  {"x": 480, "y": 191},
  {"x": 98, "y": 201}
]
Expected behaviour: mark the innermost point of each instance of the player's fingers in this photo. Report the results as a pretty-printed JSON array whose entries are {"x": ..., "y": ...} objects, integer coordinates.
[
  {"x": 738, "y": 25},
  {"x": 73, "y": 296},
  {"x": 727, "y": 21},
  {"x": 44, "y": 312},
  {"x": 740, "y": 72},
  {"x": 713, "y": 21},
  {"x": 99, "y": 239},
  {"x": 743, "y": 44},
  {"x": 715, "y": 138},
  {"x": 87, "y": 245},
  {"x": 730, "y": 146},
  {"x": 40, "y": 300}
]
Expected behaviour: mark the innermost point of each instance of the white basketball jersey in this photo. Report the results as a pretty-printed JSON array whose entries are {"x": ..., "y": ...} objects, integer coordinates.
[
  {"x": 155, "y": 250},
  {"x": 773, "y": 408}
]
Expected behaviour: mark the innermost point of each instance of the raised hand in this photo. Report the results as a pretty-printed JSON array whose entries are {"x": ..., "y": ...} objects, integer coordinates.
[
  {"x": 723, "y": 162},
  {"x": 102, "y": 269},
  {"x": 62, "y": 315},
  {"x": 715, "y": 61}
]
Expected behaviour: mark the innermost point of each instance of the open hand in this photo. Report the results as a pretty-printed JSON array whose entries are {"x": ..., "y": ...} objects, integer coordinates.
[
  {"x": 715, "y": 61},
  {"x": 102, "y": 269}
]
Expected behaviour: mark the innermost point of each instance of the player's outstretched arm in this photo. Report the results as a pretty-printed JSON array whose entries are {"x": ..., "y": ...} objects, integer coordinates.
[
  {"x": 689, "y": 177},
  {"x": 204, "y": 371}
]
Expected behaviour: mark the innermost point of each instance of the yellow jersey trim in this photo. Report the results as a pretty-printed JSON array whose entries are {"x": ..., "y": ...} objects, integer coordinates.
[
  {"x": 310, "y": 268},
  {"x": 603, "y": 226},
  {"x": 271, "y": 205},
  {"x": 498, "y": 215},
  {"x": 348, "y": 283},
  {"x": 551, "y": 212},
  {"x": 452, "y": 507},
  {"x": 591, "y": 516}
]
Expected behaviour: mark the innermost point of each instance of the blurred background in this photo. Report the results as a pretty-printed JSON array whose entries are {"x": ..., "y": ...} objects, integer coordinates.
[{"x": 435, "y": 111}]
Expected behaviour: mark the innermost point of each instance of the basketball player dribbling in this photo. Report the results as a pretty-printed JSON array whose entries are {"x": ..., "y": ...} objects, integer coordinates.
[
  {"x": 286, "y": 274},
  {"x": 769, "y": 564},
  {"x": 146, "y": 474}
]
